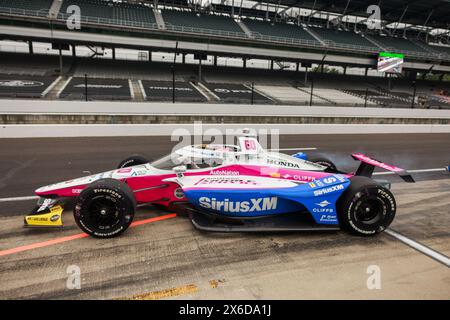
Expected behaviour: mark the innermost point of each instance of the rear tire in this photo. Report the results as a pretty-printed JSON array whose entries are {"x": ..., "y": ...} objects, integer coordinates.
[
  {"x": 133, "y": 160},
  {"x": 366, "y": 208},
  {"x": 105, "y": 208},
  {"x": 331, "y": 167}
]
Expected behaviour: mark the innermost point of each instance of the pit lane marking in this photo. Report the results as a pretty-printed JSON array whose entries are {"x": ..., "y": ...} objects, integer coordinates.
[
  {"x": 420, "y": 247},
  {"x": 167, "y": 293},
  {"x": 19, "y": 199},
  {"x": 292, "y": 149},
  {"x": 51, "y": 242}
]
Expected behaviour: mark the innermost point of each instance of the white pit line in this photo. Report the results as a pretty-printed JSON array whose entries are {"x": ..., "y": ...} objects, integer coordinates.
[
  {"x": 420, "y": 247},
  {"x": 293, "y": 149},
  {"x": 19, "y": 199}
]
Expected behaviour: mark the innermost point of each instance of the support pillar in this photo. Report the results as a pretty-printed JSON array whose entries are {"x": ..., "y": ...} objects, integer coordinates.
[
  {"x": 149, "y": 55},
  {"x": 297, "y": 66},
  {"x": 306, "y": 75},
  {"x": 215, "y": 61},
  {"x": 74, "y": 51},
  {"x": 366, "y": 71},
  {"x": 271, "y": 64},
  {"x": 200, "y": 70},
  {"x": 114, "y": 53},
  {"x": 30, "y": 47},
  {"x": 60, "y": 61},
  {"x": 244, "y": 61},
  {"x": 183, "y": 58}
]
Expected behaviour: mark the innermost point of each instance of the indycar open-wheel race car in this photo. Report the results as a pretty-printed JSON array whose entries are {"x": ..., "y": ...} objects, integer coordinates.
[{"x": 227, "y": 188}]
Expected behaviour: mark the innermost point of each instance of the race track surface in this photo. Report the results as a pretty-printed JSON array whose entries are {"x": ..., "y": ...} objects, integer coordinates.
[{"x": 166, "y": 257}]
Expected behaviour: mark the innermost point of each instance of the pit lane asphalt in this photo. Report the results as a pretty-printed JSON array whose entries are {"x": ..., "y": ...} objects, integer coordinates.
[{"x": 171, "y": 254}]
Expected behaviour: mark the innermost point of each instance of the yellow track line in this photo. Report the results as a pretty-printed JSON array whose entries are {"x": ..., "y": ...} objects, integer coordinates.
[{"x": 167, "y": 293}]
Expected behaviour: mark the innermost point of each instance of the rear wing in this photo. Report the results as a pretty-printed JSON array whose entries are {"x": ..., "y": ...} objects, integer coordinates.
[{"x": 368, "y": 165}]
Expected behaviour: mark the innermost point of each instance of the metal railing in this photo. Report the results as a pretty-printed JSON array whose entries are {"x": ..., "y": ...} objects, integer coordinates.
[
  {"x": 24, "y": 12},
  {"x": 285, "y": 40},
  {"x": 223, "y": 33},
  {"x": 106, "y": 21}
]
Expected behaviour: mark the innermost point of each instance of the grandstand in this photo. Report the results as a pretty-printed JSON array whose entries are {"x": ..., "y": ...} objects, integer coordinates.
[
  {"x": 192, "y": 22},
  {"x": 297, "y": 42},
  {"x": 38, "y": 8},
  {"x": 121, "y": 13}
]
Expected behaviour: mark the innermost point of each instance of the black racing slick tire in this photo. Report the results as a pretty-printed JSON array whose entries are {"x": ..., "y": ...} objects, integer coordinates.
[
  {"x": 365, "y": 208},
  {"x": 133, "y": 160},
  {"x": 331, "y": 167},
  {"x": 105, "y": 208}
]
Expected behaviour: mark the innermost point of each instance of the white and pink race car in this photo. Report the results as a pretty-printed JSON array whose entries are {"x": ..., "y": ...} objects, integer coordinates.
[{"x": 229, "y": 188}]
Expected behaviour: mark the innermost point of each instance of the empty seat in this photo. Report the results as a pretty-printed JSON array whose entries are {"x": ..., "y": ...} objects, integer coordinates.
[
  {"x": 191, "y": 22},
  {"x": 113, "y": 12},
  {"x": 399, "y": 44},
  {"x": 281, "y": 30},
  {"x": 38, "y": 7},
  {"x": 348, "y": 38}
]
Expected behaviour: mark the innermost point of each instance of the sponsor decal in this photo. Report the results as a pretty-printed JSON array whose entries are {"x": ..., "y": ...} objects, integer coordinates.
[
  {"x": 323, "y": 204},
  {"x": 54, "y": 218},
  {"x": 319, "y": 183},
  {"x": 275, "y": 174},
  {"x": 303, "y": 178},
  {"x": 329, "y": 180},
  {"x": 224, "y": 173},
  {"x": 328, "y": 218},
  {"x": 250, "y": 144},
  {"x": 283, "y": 163},
  {"x": 178, "y": 193},
  {"x": 377, "y": 163},
  {"x": 254, "y": 204},
  {"x": 323, "y": 191},
  {"x": 36, "y": 219},
  {"x": 77, "y": 191},
  {"x": 312, "y": 185},
  {"x": 45, "y": 204},
  {"x": 20, "y": 83},
  {"x": 225, "y": 180}
]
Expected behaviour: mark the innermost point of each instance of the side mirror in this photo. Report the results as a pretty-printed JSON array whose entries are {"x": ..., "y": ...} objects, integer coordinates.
[{"x": 179, "y": 170}]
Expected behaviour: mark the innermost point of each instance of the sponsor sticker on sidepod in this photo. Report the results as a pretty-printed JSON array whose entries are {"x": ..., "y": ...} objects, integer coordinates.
[
  {"x": 255, "y": 204},
  {"x": 322, "y": 184},
  {"x": 323, "y": 191}
]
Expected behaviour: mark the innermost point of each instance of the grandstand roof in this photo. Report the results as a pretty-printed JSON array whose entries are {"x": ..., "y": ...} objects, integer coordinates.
[{"x": 417, "y": 11}]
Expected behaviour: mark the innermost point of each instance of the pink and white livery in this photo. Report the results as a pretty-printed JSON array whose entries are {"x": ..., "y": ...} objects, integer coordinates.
[{"x": 105, "y": 203}]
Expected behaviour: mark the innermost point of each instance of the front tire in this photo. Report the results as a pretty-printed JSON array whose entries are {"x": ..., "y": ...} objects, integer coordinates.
[
  {"x": 105, "y": 208},
  {"x": 366, "y": 208},
  {"x": 133, "y": 160}
]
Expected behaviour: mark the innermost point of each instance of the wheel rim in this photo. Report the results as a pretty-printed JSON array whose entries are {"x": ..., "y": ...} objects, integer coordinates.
[
  {"x": 104, "y": 212},
  {"x": 369, "y": 211}
]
